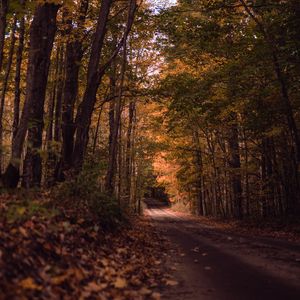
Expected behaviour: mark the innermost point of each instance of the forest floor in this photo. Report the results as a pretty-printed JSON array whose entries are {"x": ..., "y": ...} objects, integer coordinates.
[
  {"x": 217, "y": 260},
  {"x": 48, "y": 253}
]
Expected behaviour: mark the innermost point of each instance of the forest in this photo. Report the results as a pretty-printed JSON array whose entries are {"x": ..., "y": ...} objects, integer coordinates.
[{"x": 107, "y": 103}]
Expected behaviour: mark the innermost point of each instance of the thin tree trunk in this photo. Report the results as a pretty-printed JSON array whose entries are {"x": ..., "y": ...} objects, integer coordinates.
[
  {"x": 97, "y": 130},
  {"x": 235, "y": 165},
  {"x": 3, "y": 13},
  {"x": 128, "y": 159},
  {"x": 199, "y": 169},
  {"x": 42, "y": 32},
  {"x": 5, "y": 84},
  {"x": 53, "y": 78},
  {"x": 58, "y": 103},
  {"x": 116, "y": 126},
  {"x": 19, "y": 59}
]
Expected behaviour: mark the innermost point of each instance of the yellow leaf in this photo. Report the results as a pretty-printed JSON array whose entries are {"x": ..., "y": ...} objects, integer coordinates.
[
  {"x": 120, "y": 283},
  {"x": 29, "y": 284},
  {"x": 21, "y": 210}
]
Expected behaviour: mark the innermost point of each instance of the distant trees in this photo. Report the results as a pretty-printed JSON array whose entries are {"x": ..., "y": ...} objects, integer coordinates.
[
  {"x": 56, "y": 60},
  {"x": 233, "y": 82}
]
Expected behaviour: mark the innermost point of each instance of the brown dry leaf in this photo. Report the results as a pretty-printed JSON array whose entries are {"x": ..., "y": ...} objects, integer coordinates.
[
  {"x": 156, "y": 296},
  {"x": 121, "y": 250},
  {"x": 29, "y": 284},
  {"x": 79, "y": 274},
  {"x": 104, "y": 262},
  {"x": 59, "y": 279},
  {"x": 95, "y": 287},
  {"x": 171, "y": 282},
  {"x": 23, "y": 231},
  {"x": 135, "y": 281},
  {"x": 85, "y": 295},
  {"x": 120, "y": 283},
  {"x": 144, "y": 291}
]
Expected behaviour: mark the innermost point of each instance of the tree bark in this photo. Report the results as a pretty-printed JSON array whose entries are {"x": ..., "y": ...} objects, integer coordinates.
[
  {"x": 83, "y": 118},
  {"x": 19, "y": 59},
  {"x": 199, "y": 169},
  {"x": 42, "y": 32},
  {"x": 85, "y": 110},
  {"x": 235, "y": 165},
  {"x": 58, "y": 102},
  {"x": 97, "y": 130},
  {"x": 5, "y": 84},
  {"x": 111, "y": 170},
  {"x": 53, "y": 78},
  {"x": 128, "y": 159},
  {"x": 3, "y": 13}
]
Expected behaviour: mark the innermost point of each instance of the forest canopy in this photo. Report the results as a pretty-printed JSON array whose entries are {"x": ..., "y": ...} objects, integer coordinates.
[{"x": 198, "y": 97}]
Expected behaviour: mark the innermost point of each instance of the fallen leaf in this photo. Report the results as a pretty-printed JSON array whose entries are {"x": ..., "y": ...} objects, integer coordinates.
[
  {"x": 144, "y": 291},
  {"x": 171, "y": 282},
  {"x": 120, "y": 283},
  {"x": 23, "y": 231},
  {"x": 156, "y": 296},
  {"x": 59, "y": 279},
  {"x": 95, "y": 287},
  {"x": 29, "y": 284}
]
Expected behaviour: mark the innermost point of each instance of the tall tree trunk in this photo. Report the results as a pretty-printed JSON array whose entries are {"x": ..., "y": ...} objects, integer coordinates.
[
  {"x": 235, "y": 165},
  {"x": 199, "y": 169},
  {"x": 97, "y": 130},
  {"x": 5, "y": 84},
  {"x": 128, "y": 159},
  {"x": 111, "y": 118},
  {"x": 53, "y": 78},
  {"x": 73, "y": 57},
  {"x": 32, "y": 174},
  {"x": 113, "y": 154},
  {"x": 19, "y": 58},
  {"x": 112, "y": 162},
  {"x": 85, "y": 111},
  {"x": 42, "y": 32},
  {"x": 59, "y": 94},
  {"x": 3, "y": 13}
]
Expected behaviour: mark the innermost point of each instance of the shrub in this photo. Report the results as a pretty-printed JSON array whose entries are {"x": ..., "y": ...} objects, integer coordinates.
[{"x": 82, "y": 195}]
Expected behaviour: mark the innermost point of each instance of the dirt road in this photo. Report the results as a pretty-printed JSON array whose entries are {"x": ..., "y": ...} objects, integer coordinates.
[{"x": 213, "y": 264}]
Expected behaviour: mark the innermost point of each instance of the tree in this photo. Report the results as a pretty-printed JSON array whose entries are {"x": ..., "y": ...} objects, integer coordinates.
[{"x": 42, "y": 32}]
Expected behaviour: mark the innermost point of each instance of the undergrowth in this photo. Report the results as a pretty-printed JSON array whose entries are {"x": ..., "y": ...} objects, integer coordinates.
[{"x": 83, "y": 196}]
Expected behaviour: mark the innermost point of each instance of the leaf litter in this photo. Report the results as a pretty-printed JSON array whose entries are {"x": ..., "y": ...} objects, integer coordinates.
[{"x": 51, "y": 255}]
